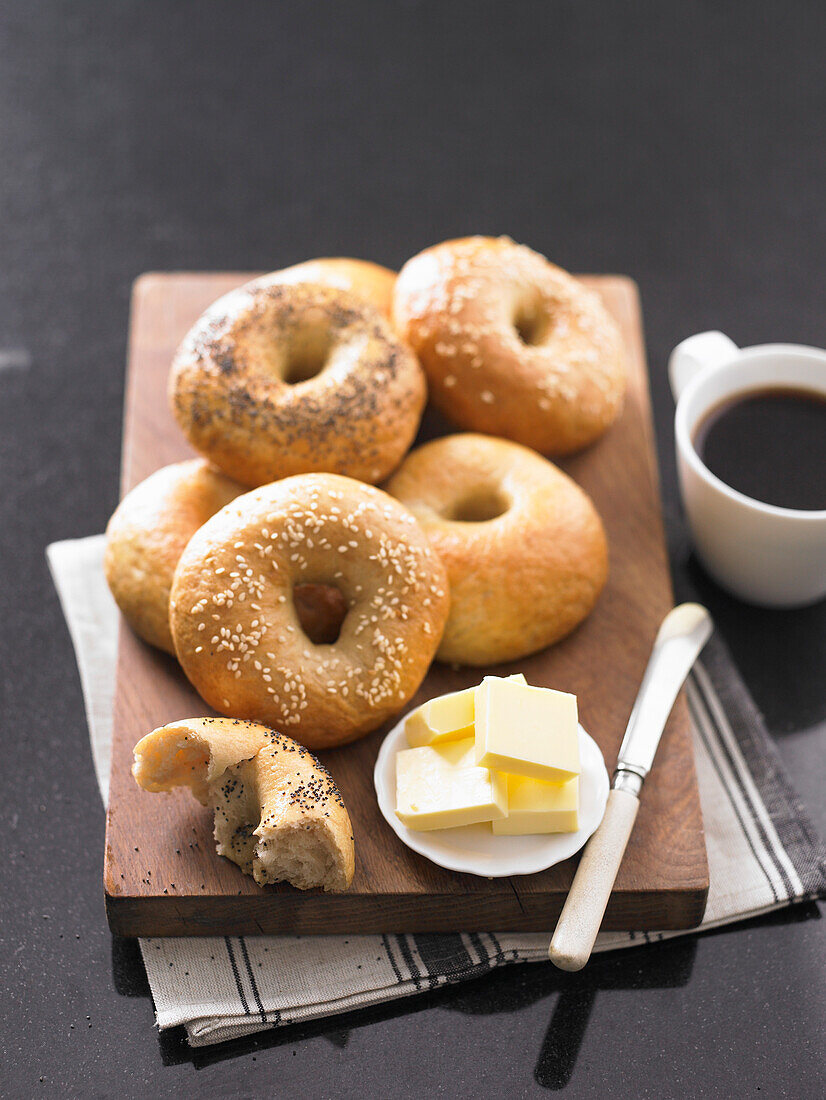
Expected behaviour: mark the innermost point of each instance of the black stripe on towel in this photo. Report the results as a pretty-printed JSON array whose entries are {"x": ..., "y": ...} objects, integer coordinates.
[
  {"x": 253, "y": 986},
  {"x": 791, "y": 820},
  {"x": 500, "y": 954},
  {"x": 444, "y": 955},
  {"x": 410, "y": 962},
  {"x": 481, "y": 950},
  {"x": 385, "y": 939},
  {"x": 700, "y": 726},
  {"x": 237, "y": 976},
  {"x": 765, "y": 840}
]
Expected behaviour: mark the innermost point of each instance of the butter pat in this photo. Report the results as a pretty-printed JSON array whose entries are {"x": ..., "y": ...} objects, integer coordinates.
[
  {"x": 526, "y": 731},
  {"x": 447, "y": 718},
  {"x": 538, "y": 807},
  {"x": 440, "y": 787}
]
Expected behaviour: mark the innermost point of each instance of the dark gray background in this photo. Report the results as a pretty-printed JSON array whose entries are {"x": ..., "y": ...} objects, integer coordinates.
[{"x": 680, "y": 143}]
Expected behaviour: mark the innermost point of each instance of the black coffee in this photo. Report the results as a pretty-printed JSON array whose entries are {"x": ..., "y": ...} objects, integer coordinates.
[{"x": 770, "y": 445}]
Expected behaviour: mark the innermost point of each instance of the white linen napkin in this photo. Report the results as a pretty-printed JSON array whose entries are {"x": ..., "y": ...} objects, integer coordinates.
[{"x": 762, "y": 851}]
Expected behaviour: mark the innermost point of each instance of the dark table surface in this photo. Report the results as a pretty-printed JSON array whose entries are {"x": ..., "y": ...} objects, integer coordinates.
[{"x": 679, "y": 143}]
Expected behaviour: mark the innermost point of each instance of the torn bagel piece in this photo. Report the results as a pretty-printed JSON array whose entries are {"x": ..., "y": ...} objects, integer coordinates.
[{"x": 278, "y": 813}]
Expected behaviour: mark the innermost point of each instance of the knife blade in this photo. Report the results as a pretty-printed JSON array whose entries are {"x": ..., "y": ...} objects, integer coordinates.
[{"x": 683, "y": 633}]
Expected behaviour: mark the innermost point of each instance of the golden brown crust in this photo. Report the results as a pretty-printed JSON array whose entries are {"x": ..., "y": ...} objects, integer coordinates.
[
  {"x": 295, "y": 791},
  {"x": 261, "y": 784},
  {"x": 147, "y": 534},
  {"x": 237, "y": 632},
  {"x": 368, "y": 281},
  {"x": 352, "y": 403},
  {"x": 195, "y": 753},
  {"x": 519, "y": 581},
  {"x": 512, "y": 345}
]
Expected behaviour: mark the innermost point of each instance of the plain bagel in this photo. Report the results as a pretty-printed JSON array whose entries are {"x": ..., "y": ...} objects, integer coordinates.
[
  {"x": 147, "y": 534},
  {"x": 278, "y": 379},
  {"x": 368, "y": 281},
  {"x": 512, "y": 345},
  {"x": 237, "y": 632},
  {"x": 523, "y": 546}
]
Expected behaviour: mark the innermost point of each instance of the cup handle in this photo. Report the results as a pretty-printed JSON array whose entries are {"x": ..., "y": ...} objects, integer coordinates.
[{"x": 697, "y": 354}]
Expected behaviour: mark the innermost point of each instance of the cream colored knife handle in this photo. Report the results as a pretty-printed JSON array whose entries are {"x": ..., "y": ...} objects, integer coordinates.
[{"x": 576, "y": 930}]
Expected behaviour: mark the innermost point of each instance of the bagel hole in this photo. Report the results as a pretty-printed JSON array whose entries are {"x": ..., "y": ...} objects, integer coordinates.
[
  {"x": 321, "y": 611},
  {"x": 479, "y": 506},
  {"x": 531, "y": 324},
  {"x": 307, "y": 356}
]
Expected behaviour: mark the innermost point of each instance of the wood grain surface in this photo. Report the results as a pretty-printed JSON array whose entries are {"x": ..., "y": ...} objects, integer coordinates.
[{"x": 162, "y": 876}]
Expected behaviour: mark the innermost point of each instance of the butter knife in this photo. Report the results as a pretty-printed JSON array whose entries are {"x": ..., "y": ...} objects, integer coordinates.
[{"x": 683, "y": 633}]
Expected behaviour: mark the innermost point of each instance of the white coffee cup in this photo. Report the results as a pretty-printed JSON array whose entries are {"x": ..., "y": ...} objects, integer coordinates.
[{"x": 767, "y": 555}]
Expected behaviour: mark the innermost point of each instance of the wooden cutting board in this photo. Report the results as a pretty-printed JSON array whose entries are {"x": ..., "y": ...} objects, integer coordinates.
[{"x": 162, "y": 876}]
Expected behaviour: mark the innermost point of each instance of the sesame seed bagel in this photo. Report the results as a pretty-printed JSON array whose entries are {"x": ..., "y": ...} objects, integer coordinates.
[
  {"x": 523, "y": 546},
  {"x": 368, "y": 281},
  {"x": 278, "y": 812},
  {"x": 512, "y": 345},
  {"x": 280, "y": 379},
  {"x": 147, "y": 534},
  {"x": 237, "y": 632}
]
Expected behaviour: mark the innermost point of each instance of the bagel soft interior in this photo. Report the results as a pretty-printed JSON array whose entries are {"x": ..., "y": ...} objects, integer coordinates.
[{"x": 278, "y": 812}]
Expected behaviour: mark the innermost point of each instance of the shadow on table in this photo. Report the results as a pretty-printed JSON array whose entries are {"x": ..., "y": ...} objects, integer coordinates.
[{"x": 508, "y": 989}]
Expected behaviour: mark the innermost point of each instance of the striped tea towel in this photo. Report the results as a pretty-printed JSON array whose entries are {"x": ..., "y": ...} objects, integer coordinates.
[{"x": 762, "y": 853}]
